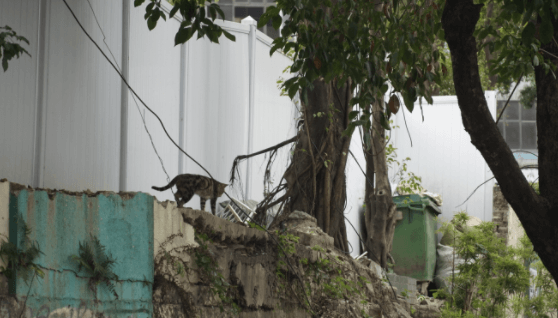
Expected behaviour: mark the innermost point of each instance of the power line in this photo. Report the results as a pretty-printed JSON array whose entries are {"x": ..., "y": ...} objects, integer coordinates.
[{"x": 135, "y": 101}]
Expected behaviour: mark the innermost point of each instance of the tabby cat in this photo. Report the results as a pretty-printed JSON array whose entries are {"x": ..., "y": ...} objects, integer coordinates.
[{"x": 189, "y": 184}]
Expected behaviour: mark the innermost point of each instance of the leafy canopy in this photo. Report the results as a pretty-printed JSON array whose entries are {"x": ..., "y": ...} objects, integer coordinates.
[
  {"x": 400, "y": 42},
  {"x": 197, "y": 16},
  {"x": 370, "y": 43}
]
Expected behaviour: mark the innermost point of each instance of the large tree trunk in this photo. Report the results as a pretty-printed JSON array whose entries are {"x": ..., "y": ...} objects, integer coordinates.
[
  {"x": 316, "y": 176},
  {"x": 380, "y": 211},
  {"x": 538, "y": 214}
]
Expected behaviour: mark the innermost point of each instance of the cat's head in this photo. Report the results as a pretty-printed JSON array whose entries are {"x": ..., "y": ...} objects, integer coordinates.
[{"x": 221, "y": 188}]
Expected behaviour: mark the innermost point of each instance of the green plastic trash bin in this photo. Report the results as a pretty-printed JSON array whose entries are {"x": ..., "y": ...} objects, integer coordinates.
[{"x": 414, "y": 240}]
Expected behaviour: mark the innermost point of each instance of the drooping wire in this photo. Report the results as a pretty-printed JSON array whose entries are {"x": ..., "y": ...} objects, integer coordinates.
[{"x": 135, "y": 101}]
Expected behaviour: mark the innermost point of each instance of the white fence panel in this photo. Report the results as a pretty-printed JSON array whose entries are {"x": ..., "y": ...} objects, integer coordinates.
[
  {"x": 356, "y": 182},
  {"x": 82, "y": 97},
  {"x": 274, "y": 116},
  {"x": 216, "y": 126},
  {"x": 155, "y": 75},
  {"x": 18, "y": 91},
  {"x": 442, "y": 154}
]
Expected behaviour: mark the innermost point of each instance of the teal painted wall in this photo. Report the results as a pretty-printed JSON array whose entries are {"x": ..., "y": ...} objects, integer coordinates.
[{"x": 59, "y": 222}]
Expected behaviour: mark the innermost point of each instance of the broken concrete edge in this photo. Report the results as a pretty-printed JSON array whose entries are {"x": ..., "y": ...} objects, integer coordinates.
[
  {"x": 222, "y": 230},
  {"x": 15, "y": 188}
]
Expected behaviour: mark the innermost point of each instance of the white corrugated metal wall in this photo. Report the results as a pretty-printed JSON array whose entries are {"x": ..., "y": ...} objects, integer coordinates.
[{"x": 61, "y": 109}]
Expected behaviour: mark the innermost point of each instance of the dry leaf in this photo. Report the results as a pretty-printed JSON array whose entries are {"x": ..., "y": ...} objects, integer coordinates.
[{"x": 393, "y": 104}]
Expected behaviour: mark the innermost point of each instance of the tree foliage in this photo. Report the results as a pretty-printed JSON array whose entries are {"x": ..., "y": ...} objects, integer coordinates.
[
  {"x": 9, "y": 48},
  {"x": 493, "y": 280},
  {"x": 371, "y": 43},
  {"x": 198, "y": 16}
]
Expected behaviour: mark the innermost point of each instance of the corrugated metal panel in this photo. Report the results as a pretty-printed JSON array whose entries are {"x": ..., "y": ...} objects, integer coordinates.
[
  {"x": 82, "y": 97},
  {"x": 18, "y": 91},
  {"x": 155, "y": 76}
]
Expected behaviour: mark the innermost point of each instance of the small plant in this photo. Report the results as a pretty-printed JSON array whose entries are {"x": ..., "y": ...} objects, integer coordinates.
[
  {"x": 407, "y": 180},
  {"x": 318, "y": 248},
  {"x": 256, "y": 226},
  {"x": 97, "y": 263},
  {"x": 209, "y": 270},
  {"x": 405, "y": 293},
  {"x": 492, "y": 278},
  {"x": 21, "y": 260},
  {"x": 8, "y": 47},
  {"x": 286, "y": 248}
]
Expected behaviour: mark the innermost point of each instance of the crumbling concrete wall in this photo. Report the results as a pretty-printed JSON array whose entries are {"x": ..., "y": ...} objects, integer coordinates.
[
  {"x": 185, "y": 263},
  {"x": 59, "y": 221},
  {"x": 261, "y": 279}
]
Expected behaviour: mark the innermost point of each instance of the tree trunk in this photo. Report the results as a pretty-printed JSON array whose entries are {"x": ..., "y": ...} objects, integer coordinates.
[
  {"x": 538, "y": 214},
  {"x": 316, "y": 176},
  {"x": 380, "y": 211}
]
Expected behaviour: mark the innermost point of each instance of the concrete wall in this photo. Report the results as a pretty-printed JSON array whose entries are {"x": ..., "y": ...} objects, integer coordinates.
[
  {"x": 247, "y": 260},
  {"x": 59, "y": 221}
]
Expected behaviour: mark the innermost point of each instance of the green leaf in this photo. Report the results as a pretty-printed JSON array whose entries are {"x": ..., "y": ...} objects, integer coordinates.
[
  {"x": 138, "y": 3},
  {"x": 276, "y": 22},
  {"x": 264, "y": 19},
  {"x": 174, "y": 10},
  {"x": 384, "y": 122},
  {"x": 292, "y": 91},
  {"x": 528, "y": 34},
  {"x": 546, "y": 30},
  {"x": 212, "y": 13},
  {"x": 353, "y": 114},
  {"x": 183, "y": 35},
  {"x": 304, "y": 96},
  {"x": 535, "y": 60},
  {"x": 352, "y": 30},
  {"x": 229, "y": 36},
  {"x": 220, "y": 12},
  {"x": 151, "y": 22}
]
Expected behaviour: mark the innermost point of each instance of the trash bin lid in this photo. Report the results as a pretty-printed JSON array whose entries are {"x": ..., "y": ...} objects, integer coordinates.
[{"x": 416, "y": 201}]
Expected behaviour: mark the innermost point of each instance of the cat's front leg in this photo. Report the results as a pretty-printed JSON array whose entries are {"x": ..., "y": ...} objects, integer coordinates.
[{"x": 202, "y": 203}]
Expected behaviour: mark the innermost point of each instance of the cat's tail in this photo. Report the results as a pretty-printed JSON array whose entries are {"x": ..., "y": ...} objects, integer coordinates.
[{"x": 167, "y": 186}]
